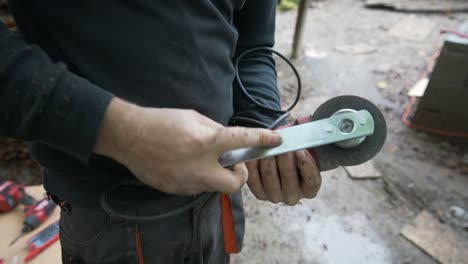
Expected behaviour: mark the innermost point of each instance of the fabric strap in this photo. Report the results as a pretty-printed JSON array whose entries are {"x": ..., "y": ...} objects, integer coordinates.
[{"x": 230, "y": 243}]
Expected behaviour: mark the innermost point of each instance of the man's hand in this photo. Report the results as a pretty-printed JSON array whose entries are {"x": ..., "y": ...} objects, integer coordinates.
[
  {"x": 285, "y": 178},
  {"x": 175, "y": 150}
]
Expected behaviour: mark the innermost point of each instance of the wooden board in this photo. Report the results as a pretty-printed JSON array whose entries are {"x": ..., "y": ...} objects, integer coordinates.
[
  {"x": 366, "y": 170},
  {"x": 421, "y": 5},
  {"x": 436, "y": 239},
  {"x": 10, "y": 225}
]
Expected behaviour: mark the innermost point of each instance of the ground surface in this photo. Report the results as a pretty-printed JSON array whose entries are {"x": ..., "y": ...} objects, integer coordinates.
[{"x": 359, "y": 221}]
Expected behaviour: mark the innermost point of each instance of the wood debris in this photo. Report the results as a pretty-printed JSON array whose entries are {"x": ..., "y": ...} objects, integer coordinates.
[
  {"x": 436, "y": 239},
  {"x": 356, "y": 49},
  {"x": 365, "y": 170}
]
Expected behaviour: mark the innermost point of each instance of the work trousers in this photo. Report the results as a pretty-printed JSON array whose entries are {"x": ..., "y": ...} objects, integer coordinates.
[{"x": 93, "y": 236}]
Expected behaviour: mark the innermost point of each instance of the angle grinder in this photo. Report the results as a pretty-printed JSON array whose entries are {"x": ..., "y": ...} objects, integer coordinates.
[{"x": 343, "y": 131}]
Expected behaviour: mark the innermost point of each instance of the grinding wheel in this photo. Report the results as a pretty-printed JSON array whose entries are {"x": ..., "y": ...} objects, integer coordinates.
[{"x": 331, "y": 156}]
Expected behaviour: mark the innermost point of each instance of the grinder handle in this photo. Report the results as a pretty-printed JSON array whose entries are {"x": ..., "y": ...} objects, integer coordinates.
[{"x": 299, "y": 121}]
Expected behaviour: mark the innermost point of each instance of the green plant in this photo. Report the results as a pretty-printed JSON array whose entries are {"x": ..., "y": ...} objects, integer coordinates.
[{"x": 288, "y": 4}]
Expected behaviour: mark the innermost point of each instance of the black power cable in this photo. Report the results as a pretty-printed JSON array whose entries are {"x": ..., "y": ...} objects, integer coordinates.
[
  {"x": 255, "y": 101},
  {"x": 284, "y": 113}
]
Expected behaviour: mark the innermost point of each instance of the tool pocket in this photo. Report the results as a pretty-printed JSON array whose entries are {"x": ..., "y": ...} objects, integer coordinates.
[
  {"x": 208, "y": 231},
  {"x": 93, "y": 237},
  {"x": 83, "y": 228}
]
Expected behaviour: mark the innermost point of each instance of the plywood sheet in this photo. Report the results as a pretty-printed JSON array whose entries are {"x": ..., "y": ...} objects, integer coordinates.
[
  {"x": 436, "y": 239},
  {"x": 421, "y": 5},
  {"x": 10, "y": 225}
]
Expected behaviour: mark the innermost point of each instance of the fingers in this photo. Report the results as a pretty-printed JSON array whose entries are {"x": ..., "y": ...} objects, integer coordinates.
[
  {"x": 255, "y": 182},
  {"x": 229, "y": 181},
  {"x": 285, "y": 178},
  {"x": 271, "y": 180},
  {"x": 309, "y": 172},
  {"x": 237, "y": 137},
  {"x": 292, "y": 190}
]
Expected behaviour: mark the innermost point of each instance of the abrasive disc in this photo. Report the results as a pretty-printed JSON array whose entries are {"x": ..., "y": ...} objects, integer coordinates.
[{"x": 331, "y": 156}]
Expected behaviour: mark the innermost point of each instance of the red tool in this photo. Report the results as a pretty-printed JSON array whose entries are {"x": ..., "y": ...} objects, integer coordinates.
[
  {"x": 42, "y": 240},
  {"x": 12, "y": 194},
  {"x": 36, "y": 214},
  {"x": 39, "y": 242}
]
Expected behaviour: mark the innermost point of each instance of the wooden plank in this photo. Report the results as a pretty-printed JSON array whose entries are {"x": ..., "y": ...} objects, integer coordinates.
[
  {"x": 436, "y": 239},
  {"x": 419, "y": 88},
  {"x": 10, "y": 225},
  {"x": 366, "y": 170},
  {"x": 421, "y": 5}
]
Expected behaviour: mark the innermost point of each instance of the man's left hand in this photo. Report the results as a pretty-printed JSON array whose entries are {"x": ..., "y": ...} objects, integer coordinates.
[{"x": 285, "y": 178}]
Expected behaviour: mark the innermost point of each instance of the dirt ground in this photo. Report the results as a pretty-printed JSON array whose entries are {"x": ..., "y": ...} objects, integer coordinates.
[{"x": 359, "y": 221}]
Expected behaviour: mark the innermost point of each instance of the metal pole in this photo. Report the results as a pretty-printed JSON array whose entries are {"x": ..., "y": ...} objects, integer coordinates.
[{"x": 301, "y": 15}]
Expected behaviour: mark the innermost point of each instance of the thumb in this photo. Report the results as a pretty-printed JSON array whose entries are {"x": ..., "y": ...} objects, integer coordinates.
[
  {"x": 240, "y": 137},
  {"x": 229, "y": 181}
]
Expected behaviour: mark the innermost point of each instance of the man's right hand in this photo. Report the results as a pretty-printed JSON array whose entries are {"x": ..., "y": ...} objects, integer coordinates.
[{"x": 174, "y": 150}]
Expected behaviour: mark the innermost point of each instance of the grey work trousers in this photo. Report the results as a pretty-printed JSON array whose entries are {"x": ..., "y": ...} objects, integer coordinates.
[{"x": 90, "y": 236}]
